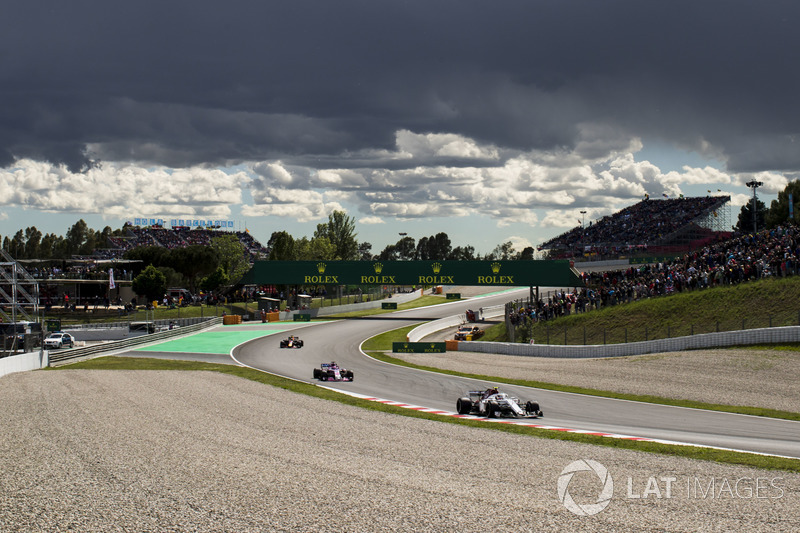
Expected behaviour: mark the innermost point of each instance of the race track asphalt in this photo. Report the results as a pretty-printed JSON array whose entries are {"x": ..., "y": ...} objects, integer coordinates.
[{"x": 340, "y": 341}]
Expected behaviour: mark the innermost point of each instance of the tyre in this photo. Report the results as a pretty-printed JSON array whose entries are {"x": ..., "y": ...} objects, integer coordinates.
[
  {"x": 317, "y": 373},
  {"x": 349, "y": 375},
  {"x": 464, "y": 406},
  {"x": 532, "y": 408},
  {"x": 490, "y": 412}
]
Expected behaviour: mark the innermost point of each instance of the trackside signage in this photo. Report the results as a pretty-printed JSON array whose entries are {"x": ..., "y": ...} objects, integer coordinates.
[
  {"x": 419, "y": 347},
  {"x": 492, "y": 273}
]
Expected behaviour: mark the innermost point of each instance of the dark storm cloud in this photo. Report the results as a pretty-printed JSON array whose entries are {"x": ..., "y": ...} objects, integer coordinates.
[{"x": 211, "y": 82}]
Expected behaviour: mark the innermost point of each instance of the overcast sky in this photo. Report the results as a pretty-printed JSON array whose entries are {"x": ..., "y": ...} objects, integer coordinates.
[{"x": 491, "y": 121}]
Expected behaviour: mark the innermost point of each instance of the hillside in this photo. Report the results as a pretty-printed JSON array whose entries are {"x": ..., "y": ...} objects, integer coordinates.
[{"x": 765, "y": 303}]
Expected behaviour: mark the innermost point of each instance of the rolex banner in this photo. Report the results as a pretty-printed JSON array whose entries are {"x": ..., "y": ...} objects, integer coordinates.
[
  {"x": 417, "y": 273},
  {"x": 418, "y": 347}
]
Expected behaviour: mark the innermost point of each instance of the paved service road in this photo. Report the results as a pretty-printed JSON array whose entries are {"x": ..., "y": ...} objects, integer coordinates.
[{"x": 340, "y": 341}]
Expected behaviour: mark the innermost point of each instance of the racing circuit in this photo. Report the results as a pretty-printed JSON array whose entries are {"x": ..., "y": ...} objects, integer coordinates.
[{"x": 257, "y": 346}]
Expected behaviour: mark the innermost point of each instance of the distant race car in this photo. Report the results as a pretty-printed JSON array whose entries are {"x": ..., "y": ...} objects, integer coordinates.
[
  {"x": 491, "y": 403},
  {"x": 292, "y": 342},
  {"x": 332, "y": 372},
  {"x": 463, "y": 331},
  {"x": 59, "y": 340}
]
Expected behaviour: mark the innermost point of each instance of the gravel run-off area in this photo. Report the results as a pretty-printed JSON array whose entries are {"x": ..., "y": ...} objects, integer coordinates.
[
  {"x": 92, "y": 450},
  {"x": 751, "y": 377}
]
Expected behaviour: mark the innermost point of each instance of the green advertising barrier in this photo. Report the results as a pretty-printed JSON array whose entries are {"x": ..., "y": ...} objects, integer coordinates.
[
  {"x": 415, "y": 273},
  {"x": 419, "y": 347},
  {"x": 302, "y": 317},
  {"x": 389, "y": 305},
  {"x": 453, "y": 296}
]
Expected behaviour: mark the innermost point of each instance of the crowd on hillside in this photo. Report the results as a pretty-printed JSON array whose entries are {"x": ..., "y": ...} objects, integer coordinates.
[
  {"x": 644, "y": 223},
  {"x": 768, "y": 253}
]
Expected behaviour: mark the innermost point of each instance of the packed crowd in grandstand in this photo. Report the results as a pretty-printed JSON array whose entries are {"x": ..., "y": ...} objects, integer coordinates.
[
  {"x": 176, "y": 238},
  {"x": 768, "y": 253},
  {"x": 646, "y": 223}
]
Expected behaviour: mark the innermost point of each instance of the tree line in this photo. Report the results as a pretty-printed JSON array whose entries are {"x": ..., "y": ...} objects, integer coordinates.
[
  {"x": 80, "y": 239},
  {"x": 337, "y": 240}
]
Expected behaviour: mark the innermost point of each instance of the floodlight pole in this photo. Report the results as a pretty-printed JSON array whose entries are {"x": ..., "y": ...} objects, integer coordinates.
[
  {"x": 583, "y": 219},
  {"x": 754, "y": 184}
]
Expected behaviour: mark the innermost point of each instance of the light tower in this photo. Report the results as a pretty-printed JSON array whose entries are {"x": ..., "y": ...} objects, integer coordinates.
[{"x": 754, "y": 184}]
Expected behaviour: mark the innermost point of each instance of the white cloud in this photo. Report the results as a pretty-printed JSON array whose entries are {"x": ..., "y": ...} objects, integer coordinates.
[
  {"x": 122, "y": 191},
  {"x": 428, "y": 145},
  {"x": 371, "y": 220},
  {"x": 519, "y": 243}
]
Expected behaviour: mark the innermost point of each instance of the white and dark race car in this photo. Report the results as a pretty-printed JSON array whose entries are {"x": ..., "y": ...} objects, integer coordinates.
[
  {"x": 492, "y": 403},
  {"x": 291, "y": 342},
  {"x": 332, "y": 372}
]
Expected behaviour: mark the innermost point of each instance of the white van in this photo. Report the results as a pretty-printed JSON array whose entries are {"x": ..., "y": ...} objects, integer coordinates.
[{"x": 176, "y": 293}]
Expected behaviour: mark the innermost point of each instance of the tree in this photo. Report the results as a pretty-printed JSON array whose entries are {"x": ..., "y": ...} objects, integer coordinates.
[
  {"x": 148, "y": 255},
  {"x": 389, "y": 253},
  {"x": 151, "y": 283},
  {"x": 49, "y": 245},
  {"x": 340, "y": 231},
  {"x": 526, "y": 254},
  {"x": 779, "y": 208},
  {"x": 440, "y": 246},
  {"x": 459, "y": 253},
  {"x": 33, "y": 242},
  {"x": 231, "y": 253},
  {"x": 315, "y": 249},
  {"x": 17, "y": 246},
  {"x": 76, "y": 237},
  {"x": 422, "y": 249},
  {"x": 405, "y": 249},
  {"x": 194, "y": 262},
  {"x": 281, "y": 246},
  {"x": 435, "y": 247},
  {"x": 364, "y": 251},
  {"x": 174, "y": 279},
  {"x": 745, "y": 223},
  {"x": 503, "y": 252},
  {"x": 214, "y": 281}
]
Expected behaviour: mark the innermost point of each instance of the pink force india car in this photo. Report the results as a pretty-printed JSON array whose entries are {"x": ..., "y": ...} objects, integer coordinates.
[{"x": 332, "y": 372}]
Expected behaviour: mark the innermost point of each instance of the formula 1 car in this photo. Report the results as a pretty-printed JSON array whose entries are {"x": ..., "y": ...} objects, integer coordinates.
[
  {"x": 332, "y": 372},
  {"x": 474, "y": 332},
  {"x": 292, "y": 342},
  {"x": 491, "y": 403}
]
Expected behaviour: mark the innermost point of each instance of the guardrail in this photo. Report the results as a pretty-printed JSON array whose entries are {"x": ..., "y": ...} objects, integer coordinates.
[
  {"x": 779, "y": 335},
  {"x": 66, "y": 356}
]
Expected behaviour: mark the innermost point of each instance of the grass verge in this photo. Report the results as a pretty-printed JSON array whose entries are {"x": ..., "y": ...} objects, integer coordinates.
[
  {"x": 422, "y": 301},
  {"x": 379, "y": 344},
  {"x": 692, "y": 452}
]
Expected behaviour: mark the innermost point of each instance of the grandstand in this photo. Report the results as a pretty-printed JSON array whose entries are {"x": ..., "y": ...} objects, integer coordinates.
[
  {"x": 176, "y": 237},
  {"x": 649, "y": 227}
]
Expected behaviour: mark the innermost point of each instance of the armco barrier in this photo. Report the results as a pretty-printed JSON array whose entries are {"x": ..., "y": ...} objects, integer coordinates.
[
  {"x": 782, "y": 335},
  {"x": 420, "y": 332},
  {"x": 65, "y": 356}
]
